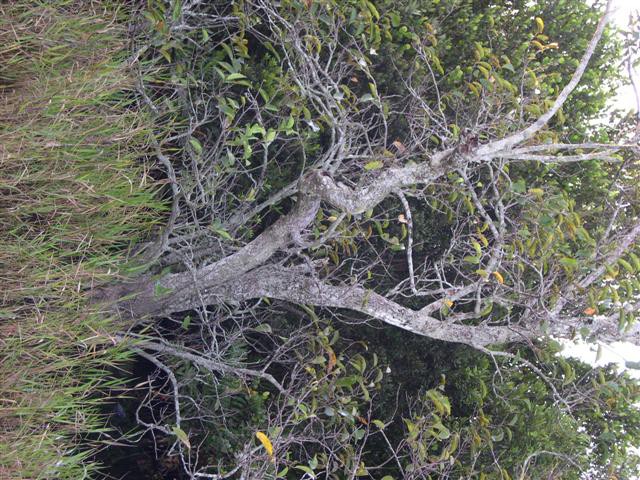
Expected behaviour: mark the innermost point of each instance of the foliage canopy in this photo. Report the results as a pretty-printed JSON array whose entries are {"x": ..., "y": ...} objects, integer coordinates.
[
  {"x": 382, "y": 214},
  {"x": 432, "y": 165}
]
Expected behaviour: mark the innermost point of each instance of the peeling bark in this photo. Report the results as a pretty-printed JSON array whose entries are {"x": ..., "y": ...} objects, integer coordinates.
[{"x": 295, "y": 286}]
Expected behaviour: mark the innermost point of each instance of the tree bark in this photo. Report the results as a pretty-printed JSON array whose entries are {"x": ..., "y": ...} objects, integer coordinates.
[{"x": 250, "y": 272}]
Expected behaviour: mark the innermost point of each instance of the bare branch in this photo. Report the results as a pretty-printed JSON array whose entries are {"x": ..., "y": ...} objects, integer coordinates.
[{"x": 493, "y": 148}]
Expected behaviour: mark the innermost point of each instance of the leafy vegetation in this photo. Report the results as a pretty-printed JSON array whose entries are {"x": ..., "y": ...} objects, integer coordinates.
[{"x": 319, "y": 250}]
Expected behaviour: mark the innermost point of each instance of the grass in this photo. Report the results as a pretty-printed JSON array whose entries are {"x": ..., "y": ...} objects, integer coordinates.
[{"x": 74, "y": 196}]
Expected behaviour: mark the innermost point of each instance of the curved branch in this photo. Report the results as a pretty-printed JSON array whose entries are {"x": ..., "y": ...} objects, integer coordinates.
[
  {"x": 201, "y": 360},
  {"x": 625, "y": 242},
  {"x": 389, "y": 180},
  {"x": 316, "y": 186},
  {"x": 289, "y": 284},
  {"x": 146, "y": 295},
  {"x": 506, "y": 143}
]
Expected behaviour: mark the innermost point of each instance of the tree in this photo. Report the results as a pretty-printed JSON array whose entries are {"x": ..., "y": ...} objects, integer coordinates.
[
  {"x": 494, "y": 257},
  {"x": 330, "y": 158}
]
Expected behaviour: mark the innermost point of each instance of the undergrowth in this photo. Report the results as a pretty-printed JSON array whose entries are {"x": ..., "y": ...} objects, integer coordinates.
[{"x": 75, "y": 194}]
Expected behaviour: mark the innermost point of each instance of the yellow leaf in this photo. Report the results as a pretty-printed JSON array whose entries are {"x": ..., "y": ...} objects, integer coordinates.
[
  {"x": 538, "y": 192},
  {"x": 332, "y": 359},
  {"x": 266, "y": 443},
  {"x": 474, "y": 89},
  {"x": 539, "y": 25},
  {"x": 401, "y": 148},
  {"x": 537, "y": 44},
  {"x": 483, "y": 239},
  {"x": 499, "y": 277}
]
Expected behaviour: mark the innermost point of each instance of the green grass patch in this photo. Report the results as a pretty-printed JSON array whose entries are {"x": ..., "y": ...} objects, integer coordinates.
[{"x": 74, "y": 195}]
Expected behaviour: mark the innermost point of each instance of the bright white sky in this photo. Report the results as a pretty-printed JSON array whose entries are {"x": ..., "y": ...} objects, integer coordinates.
[
  {"x": 626, "y": 98},
  {"x": 617, "y": 352}
]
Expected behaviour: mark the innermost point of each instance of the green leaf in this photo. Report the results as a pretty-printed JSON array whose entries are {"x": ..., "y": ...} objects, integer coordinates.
[
  {"x": 219, "y": 230},
  {"x": 165, "y": 53},
  {"x": 379, "y": 423},
  {"x": 373, "y": 10},
  {"x": 177, "y": 10},
  {"x": 270, "y": 136},
  {"x": 482, "y": 273},
  {"x": 395, "y": 19},
  {"x": 306, "y": 469},
  {"x": 374, "y": 165},
  {"x": 472, "y": 259},
  {"x": 362, "y": 470},
  {"x": 519, "y": 186},
  {"x": 257, "y": 128},
  {"x": 626, "y": 265},
  {"x": 224, "y": 234},
  {"x": 234, "y": 76},
  {"x": 263, "y": 328},
  {"x": 197, "y": 146},
  {"x": 487, "y": 310},
  {"x": 160, "y": 291},
  {"x": 537, "y": 192},
  {"x": 636, "y": 260},
  {"x": 441, "y": 402},
  {"x": 569, "y": 262},
  {"x": 182, "y": 436},
  {"x": 286, "y": 126},
  {"x": 440, "y": 432}
]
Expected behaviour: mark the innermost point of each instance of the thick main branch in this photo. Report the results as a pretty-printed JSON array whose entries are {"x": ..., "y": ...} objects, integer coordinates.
[
  {"x": 295, "y": 285},
  {"x": 181, "y": 288}
]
